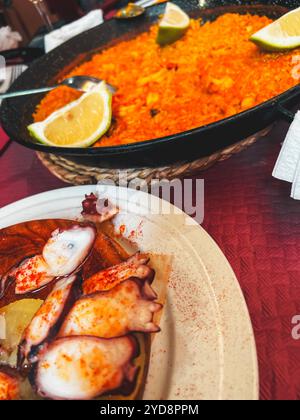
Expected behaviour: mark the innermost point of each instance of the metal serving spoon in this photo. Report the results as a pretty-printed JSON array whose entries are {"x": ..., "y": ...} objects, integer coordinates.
[
  {"x": 81, "y": 83},
  {"x": 130, "y": 11},
  {"x": 133, "y": 10}
]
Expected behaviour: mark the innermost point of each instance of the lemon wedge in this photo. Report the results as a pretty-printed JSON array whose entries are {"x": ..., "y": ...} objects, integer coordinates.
[
  {"x": 283, "y": 34},
  {"x": 80, "y": 123},
  {"x": 173, "y": 25}
]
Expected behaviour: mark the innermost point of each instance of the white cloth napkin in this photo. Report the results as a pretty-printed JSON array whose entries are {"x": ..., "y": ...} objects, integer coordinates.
[
  {"x": 11, "y": 75},
  {"x": 9, "y": 39},
  {"x": 287, "y": 167},
  {"x": 58, "y": 37}
]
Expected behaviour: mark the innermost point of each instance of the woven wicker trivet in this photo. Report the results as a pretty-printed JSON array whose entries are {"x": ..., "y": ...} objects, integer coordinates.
[{"x": 73, "y": 173}]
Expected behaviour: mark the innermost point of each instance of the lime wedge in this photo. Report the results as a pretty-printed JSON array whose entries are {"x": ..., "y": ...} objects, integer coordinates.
[
  {"x": 283, "y": 34},
  {"x": 173, "y": 25},
  {"x": 79, "y": 124}
]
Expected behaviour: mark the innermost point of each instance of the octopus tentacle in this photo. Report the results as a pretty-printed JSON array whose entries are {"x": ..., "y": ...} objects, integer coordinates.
[
  {"x": 124, "y": 309},
  {"x": 83, "y": 368}
]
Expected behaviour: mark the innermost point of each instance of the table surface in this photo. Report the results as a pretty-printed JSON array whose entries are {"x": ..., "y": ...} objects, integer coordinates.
[{"x": 257, "y": 226}]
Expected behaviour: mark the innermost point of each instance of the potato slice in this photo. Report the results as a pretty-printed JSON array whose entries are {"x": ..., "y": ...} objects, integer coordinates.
[{"x": 17, "y": 317}]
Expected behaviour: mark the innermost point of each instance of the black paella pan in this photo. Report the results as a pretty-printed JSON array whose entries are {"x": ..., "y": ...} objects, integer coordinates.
[{"x": 16, "y": 114}]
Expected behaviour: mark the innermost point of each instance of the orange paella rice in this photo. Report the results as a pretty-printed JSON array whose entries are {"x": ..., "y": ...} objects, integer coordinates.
[{"x": 213, "y": 72}]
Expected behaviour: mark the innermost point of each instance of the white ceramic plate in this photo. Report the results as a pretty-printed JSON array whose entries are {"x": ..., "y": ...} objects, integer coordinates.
[{"x": 206, "y": 350}]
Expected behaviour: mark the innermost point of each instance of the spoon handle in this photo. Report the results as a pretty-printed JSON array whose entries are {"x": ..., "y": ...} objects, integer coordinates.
[{"x": 25, "y": 92}]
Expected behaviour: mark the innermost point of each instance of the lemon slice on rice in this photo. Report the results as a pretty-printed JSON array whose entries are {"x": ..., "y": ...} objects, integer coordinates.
[
  {"x": 283, "y": 34},
  {"x": 173, "y": 25},
  {"x": 79, "y": 124}
]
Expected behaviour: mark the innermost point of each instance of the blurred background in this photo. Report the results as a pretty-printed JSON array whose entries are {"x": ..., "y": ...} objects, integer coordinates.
[{"x": 23, "y": 16}]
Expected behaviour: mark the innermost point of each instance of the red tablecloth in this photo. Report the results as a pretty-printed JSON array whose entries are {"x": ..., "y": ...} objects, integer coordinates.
[{"x": 257, "y": 226}]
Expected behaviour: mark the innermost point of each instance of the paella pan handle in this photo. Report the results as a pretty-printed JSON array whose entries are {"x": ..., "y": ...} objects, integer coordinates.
[
  {"x": 22, "y": 55},
  {"x": 284, "y": 107},
  {"x": 285, "y": 113}
]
